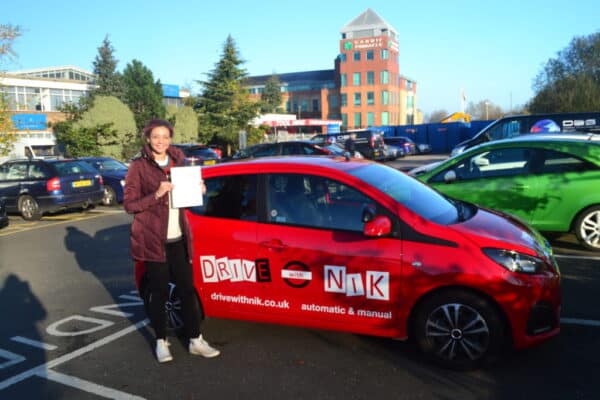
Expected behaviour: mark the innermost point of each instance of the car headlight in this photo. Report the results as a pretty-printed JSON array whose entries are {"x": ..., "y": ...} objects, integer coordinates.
[
  {"x": 516, "y": 262},
  {"x": 123, "y": 182}
]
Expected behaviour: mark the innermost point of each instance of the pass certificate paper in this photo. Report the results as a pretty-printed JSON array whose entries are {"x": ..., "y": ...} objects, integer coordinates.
[{"x": 187, "y": 186}]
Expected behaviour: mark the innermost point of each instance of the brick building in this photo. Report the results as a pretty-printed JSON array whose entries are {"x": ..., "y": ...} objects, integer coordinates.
[{"x": 365, "y": 88}]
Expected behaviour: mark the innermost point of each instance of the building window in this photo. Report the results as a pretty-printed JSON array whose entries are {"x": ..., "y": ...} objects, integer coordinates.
[
  {"x": 288, "y": 106},
  {"x": 345, "y": 120},
  {"x": 409, "y": 85},
  {"x": 343, "y": 57},
  {"x": 315, "y": 105},
  {"x": 370, "y": 78},
  {"x": 333, "y": 101},
  {"x": 356, "y": 79},
  {"x": 410, "y": 101},
  {"x": 410, "y": 119},
  {"x": 344, "y": 99},
  {"x": 343, "y": 80},
  {"x": 385, "y": 54},
  {"x": 385, "y": 77},
  {"x": 385, "y": 118},
  {"x": 356, "y": 56},
  {"x": 370, "y": 98},
  {"x": 385, "y": 97},
  {"x": 370, "y": 55},
  {"x": 357, "y": 99},
  {"x": 357, "y": 120},
  {"x": 370, "y": 119}
]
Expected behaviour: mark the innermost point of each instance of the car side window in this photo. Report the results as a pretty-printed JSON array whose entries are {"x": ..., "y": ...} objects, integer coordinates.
[
  {"x": 267, "y": 150},
  {"x": 231, "y": 197},
  {"x": 16, "y": 171},
  {"x": 487, "y": 164},
  {"x": 38, "y": 171},
  {"x": 314, "y": 201},
  {"x": 557, "y": 162}
]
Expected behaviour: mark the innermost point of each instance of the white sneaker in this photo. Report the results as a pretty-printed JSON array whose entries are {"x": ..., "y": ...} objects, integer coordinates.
[
  {"x": 200, "y": 347},
  {"x": 163, "y": 354}
]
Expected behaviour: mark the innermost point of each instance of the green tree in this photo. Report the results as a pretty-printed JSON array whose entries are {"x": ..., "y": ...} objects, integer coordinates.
[
  {"x": 224, "y": 106},
  {"x": 271, "y": 96},
  {"x": 142, "y": 94},
  {"x": 185, "y": 123},
  {"x": 437, "y": 115},
  {"x": 109, "y": 81},
  {"x": 106, "y": 128},
  {"x": 571, "y": 81},
  {"x": 8, "y": 34}
]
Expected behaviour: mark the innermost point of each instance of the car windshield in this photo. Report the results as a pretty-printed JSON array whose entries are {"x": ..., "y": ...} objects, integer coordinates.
[
  {"x": 409, "y": 192},
  {"x": 109, "y": 165}
]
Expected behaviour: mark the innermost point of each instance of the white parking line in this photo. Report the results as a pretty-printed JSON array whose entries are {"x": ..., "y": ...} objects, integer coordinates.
[
  {"x": 577, "y": 257},
  {"x": 34, "y": 343},
  {"x": 577, "y": 321},
  {"x": 41, "y": 370}
]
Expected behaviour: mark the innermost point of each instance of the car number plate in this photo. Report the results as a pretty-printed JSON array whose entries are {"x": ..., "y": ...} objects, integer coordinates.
[
  {"x": 83, "y": 183},
  {"x": 209, "y": 162}
]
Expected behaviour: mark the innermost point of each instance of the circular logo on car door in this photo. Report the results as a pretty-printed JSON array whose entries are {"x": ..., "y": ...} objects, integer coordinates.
[{"x": 296, "y": 274}]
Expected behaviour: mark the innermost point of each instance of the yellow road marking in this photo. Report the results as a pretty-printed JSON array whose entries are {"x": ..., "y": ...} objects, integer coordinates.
[{"x": 56, "y": 220}]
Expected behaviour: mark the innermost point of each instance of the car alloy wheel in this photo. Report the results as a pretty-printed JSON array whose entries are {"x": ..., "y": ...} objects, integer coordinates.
[
  {"x": 109, "y": 198},
  {"x": 173, "y": 308},
  {"x": 587, "y": 228},
  {"x": 29, "y": 208},
  {"x": 459, "y": 330}
]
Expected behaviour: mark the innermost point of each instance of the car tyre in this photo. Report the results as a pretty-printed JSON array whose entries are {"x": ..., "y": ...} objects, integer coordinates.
[
  {"x": 172, "y": 306},
  {"x": 459, "y": 330},
  {"x": 29, "y": 208},
  {"x": 587, "y": 228},
  {"x": 110, "y": 197}
]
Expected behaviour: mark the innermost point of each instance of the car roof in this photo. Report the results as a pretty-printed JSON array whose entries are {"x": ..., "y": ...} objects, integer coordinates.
[{"x": 289, "y": 163}]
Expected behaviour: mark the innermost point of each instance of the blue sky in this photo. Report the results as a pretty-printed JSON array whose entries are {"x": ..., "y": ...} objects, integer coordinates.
[{"x": 492, "y": 50}]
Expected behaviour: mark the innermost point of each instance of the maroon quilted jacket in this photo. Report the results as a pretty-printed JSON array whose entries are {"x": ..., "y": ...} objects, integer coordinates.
[{"x": 150, "y": 216}]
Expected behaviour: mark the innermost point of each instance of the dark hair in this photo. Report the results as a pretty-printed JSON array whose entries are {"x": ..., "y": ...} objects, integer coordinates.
[{"x": 154, "y": 123}]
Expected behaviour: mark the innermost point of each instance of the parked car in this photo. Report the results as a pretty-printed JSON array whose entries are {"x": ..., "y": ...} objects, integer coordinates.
[
  {"x": 550, "y": 181},
  {"x": 291, "y": 147},
  {"x": 3, "y": 216},
  {"x": 34, "y": 187},
  {"x": 406, "y": 143},
  {"x": 197, "y": 154},
  {"x": 515, "y": 125},
  {"x": 392, "y": 152},
  {"x": 357, "y": 246},
  {"x": 368, "y": 142},
  {"x": 113, "y": 174}
]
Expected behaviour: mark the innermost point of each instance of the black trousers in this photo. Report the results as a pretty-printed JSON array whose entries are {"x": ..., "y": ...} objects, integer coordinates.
[{"x": 177, "y": 270}]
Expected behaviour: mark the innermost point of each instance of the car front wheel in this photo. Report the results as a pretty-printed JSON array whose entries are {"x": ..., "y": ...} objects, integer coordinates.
[
  {"x": 587, "y": 228},
  {"x": 29, "y": 208},
  {"x": 459, "y": 330}
]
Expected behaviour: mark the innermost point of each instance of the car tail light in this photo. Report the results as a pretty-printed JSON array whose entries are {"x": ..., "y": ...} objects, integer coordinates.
[
  {"x": 372, "y": 141},
  {"x": 99, "y": 177},
  {"x": 53, "y": 184}
]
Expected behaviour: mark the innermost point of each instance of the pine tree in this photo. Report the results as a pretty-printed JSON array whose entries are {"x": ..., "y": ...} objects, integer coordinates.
[
  {"x": 109, "y": 81},
  {"x": 225, "y": 107},
  {"x": 142, "y": 94},
  {"x": 271, "y": 96}
]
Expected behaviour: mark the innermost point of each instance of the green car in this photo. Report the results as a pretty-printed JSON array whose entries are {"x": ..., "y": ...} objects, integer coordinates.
[{"x": 550, "y": 181}]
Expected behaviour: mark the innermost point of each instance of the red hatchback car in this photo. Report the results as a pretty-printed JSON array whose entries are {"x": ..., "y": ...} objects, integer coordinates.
[{"x": 357, "y": 246}]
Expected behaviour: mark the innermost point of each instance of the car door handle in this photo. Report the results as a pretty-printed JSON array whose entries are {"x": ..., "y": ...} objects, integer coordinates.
[{"x": 274, "y": 244}]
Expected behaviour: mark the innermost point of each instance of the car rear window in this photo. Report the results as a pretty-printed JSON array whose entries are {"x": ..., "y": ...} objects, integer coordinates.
[{"x": 65, "y": 168}]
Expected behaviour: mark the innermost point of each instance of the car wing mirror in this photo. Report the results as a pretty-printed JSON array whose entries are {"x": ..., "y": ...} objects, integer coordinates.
[
  {"x": 379, "y": 226},
  {"x": 482, "y": 162},
  {"x": 450, "y": 176}
]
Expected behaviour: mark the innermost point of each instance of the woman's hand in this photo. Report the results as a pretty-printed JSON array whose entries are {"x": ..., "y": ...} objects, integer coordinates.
[{"x": 164, "y": 188}]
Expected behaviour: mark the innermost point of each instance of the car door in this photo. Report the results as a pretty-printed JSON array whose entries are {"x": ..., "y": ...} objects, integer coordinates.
[
  {"x": 325, "y": 272},
  {"x": 497, "y": 179},
  {"x": 224, "y": 247}
]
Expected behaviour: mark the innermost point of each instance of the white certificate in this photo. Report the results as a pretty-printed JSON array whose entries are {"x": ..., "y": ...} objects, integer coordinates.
[{"x": 187, "y": 186}]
